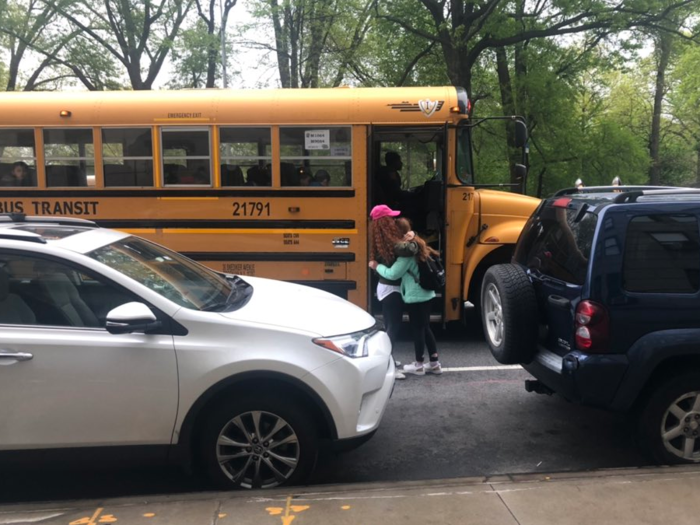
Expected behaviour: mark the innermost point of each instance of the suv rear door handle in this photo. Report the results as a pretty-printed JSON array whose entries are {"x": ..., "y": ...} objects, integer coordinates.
[
  {"x": 17, "y": 356},
  {"x": 559, "y": 301}
]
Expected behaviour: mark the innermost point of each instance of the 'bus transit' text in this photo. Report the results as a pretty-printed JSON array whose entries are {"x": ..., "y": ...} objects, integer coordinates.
[{"x": 85, "y": 208}]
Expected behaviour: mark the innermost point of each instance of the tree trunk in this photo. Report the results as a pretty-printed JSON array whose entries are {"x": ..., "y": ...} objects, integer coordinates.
[
  {"x": 317, "y": 20},
  {"x": 281, "y": 45},
  {"x": 212, "y": 55},
  {"x": 508, "y": 104},
  {"x": 664, "y": 44},
  {"x": 212, "y": 45},
  {"x": 697, "y": 166},
  {"x": 16, "y": 56},
  {"x": 293, "y": 23}
]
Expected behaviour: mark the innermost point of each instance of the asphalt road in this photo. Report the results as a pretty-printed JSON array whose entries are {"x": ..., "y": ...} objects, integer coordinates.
[{"x": 462, "y": 423}]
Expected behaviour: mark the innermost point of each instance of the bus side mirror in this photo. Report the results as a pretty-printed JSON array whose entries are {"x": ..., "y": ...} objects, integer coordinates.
[
  {"x": 520, "y": 172},
  {"x": 520, "y": 134}
]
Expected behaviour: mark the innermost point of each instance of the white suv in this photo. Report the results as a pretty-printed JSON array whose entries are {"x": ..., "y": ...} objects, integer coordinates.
[{"x": 108, "y": 340}]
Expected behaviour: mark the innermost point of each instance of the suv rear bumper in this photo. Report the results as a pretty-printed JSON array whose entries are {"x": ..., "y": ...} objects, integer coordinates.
[{"x": 589, "y": 379}]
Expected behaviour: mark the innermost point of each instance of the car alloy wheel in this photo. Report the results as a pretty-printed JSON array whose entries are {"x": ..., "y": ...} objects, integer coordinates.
[
  {"x": 680, "y": 427},
  {"x": 258, "y": 449}
]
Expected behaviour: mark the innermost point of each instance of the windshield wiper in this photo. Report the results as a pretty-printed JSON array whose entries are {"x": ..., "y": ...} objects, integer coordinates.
[{"x": 221, "y": 304}]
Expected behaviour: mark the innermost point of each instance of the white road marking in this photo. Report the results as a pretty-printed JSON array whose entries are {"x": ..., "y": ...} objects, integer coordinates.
[
  {"x": 482, "y": 368},
  {"x": 27, "y": 518}
]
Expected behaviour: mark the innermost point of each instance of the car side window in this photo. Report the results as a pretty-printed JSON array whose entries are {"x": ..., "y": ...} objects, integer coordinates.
[
  {"x": 662, "y": 254},
  {"x": 45, "y": 292}
]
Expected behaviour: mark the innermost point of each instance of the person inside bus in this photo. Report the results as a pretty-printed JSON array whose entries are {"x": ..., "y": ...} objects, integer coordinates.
[
  {"x": 389, "y": 180},
  {"x": 257, "y": 176},
  {"x": 321, "y": 178},
  {"x": 305, "y": 178},
  {"x": 20, "y": 175},
  {"x": 289, "y": 174}
]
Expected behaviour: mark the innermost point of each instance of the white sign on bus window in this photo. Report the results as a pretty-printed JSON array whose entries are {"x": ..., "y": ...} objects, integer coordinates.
[{"x": 317, "y": 139}]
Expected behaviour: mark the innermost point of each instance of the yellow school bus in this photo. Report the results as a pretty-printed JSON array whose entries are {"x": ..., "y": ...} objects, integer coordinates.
[{"x": 271, "y": 183}]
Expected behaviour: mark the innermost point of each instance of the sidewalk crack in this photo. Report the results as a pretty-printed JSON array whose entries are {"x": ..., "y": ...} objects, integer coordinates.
[
  {"x": 217, "y": 511},
  {"x": 507, "y": 507}
]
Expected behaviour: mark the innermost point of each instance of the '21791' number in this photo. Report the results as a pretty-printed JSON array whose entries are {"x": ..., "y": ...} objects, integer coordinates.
[{"x": 251, "y": 209}]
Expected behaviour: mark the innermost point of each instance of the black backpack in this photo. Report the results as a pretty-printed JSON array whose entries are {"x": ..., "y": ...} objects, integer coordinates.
[{"x": 431, "y": 273}]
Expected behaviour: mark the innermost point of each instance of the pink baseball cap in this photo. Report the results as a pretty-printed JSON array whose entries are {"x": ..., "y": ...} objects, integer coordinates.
[{"x": 382, "y": 211}]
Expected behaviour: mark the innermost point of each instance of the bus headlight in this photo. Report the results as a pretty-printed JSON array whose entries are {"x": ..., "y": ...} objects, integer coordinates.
[{"x": 350, "y": 345}]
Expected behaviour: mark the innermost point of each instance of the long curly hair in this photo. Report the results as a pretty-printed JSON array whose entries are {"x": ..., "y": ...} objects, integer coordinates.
[{"x": 383, "y": 235}]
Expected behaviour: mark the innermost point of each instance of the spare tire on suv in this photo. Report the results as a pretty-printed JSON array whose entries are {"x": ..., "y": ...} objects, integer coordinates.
[{"x": 509, "y": 314}]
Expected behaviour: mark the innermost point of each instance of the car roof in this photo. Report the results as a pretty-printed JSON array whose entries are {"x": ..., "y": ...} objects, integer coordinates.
[
  {"x": 77, "y": 235},
  {"x": 598, "y": 197}
]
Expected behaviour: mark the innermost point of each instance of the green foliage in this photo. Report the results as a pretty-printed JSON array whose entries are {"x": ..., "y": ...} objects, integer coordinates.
[{"x": 190, "y": 54}]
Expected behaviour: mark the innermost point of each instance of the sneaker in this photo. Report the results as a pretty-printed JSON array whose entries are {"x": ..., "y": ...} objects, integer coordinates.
[
  {"x": 434, "y": 368},
  {"x": 414, "y": 368},
  {"x": 397, "y": 364},
  {"x": 399, "y": 375}
]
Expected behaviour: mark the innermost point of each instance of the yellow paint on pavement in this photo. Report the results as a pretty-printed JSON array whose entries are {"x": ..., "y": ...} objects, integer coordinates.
[
  {"x": 149, "y": 515},
  {"x": 93, "y": 520},
  {"x": 345, "y": 507}
]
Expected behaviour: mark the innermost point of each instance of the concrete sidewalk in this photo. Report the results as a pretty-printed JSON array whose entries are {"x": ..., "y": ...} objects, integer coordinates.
[{"x": 620, "y": 497}]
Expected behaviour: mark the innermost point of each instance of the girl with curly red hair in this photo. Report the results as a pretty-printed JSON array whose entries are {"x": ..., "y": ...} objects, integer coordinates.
[{"x": 387, "y": 242}]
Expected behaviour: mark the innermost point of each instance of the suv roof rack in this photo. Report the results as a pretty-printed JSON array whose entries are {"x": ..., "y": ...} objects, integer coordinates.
[
  {"x": 609, "y": 189},
  {"x": 632, "y": 196},
  {"x": 62, "y": 221}
]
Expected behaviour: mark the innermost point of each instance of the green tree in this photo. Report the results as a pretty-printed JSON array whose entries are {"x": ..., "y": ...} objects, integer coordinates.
[
  {"x": 316, "y": 42},
  {"x": 684, "y": 102},
  {"x": 27, "y": 27},
  {"x": 136, "y": 33},
  {"x": 191, "y": 58},
  {"x": 213, "y": 41}
]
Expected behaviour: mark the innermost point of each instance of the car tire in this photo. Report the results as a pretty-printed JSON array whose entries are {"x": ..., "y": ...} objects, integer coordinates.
[
  {"x": 509, "y": 314},
  {"x": 282, "y": 451},
  {"x": 670, "y": 421}
]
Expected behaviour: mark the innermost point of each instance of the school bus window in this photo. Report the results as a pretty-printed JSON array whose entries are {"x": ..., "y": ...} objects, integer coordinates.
[
  {"x": 128, "y": 157},
  {"x": 246, "y": 156},
  {"x": 69, "y": 156},
  {"x": 316, "y": 156},
  {"x": 17, "y": 157},
  {"x": 186, "y": 156}
]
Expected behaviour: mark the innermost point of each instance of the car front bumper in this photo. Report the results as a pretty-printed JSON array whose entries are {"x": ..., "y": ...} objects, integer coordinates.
[{"x": 356, "y": 391}]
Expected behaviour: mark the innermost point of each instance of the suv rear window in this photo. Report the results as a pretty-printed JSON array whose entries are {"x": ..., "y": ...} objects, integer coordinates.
[
  {"x": 662, "y": 254},
  {"x": 557, "y": 242}
]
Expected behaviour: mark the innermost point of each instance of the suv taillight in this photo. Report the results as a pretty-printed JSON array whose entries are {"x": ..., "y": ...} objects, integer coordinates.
[{"x": 592, "y": 327}]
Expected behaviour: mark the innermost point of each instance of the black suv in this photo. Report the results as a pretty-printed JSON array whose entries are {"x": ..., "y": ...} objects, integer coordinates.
[{"x": 601, "y": 304}]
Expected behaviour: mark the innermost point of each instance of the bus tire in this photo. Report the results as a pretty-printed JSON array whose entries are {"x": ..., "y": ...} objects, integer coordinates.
[{"x": 509, "y": 314}]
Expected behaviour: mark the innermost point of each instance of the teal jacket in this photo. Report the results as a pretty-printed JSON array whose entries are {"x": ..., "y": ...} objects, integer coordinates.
[{"x": 405, "y": 268}]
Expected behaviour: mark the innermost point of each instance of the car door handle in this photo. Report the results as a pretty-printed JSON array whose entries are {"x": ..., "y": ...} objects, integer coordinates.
[
  {"x": 559, "y": 302},
  {"x": 17, "y": 356}
]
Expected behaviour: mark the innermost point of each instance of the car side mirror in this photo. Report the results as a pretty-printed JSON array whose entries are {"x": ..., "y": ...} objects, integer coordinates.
[
  {"x": 131, "y": 317},
  {"x": 520, "y": 134}
]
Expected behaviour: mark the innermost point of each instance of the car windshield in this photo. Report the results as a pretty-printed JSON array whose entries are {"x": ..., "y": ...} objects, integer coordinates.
[{"x": 173, "y": 276}]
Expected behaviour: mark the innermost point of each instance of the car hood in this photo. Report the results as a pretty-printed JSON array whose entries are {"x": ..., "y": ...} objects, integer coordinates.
[{"x": 300, "y": 307}]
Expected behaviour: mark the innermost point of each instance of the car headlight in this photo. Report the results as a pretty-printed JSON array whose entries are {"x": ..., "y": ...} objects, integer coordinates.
[{"x": 350, "y": 345}]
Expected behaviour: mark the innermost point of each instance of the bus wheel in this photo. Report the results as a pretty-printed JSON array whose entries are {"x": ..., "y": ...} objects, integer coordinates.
[
  {"x": 509, "y": 314},
  {"x": 258, "y": 442}
]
